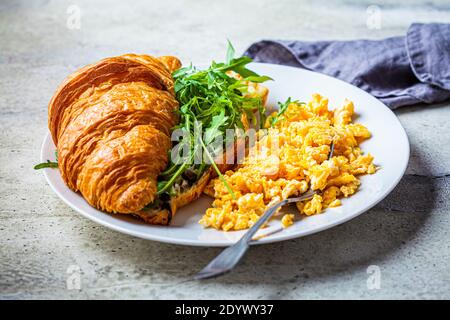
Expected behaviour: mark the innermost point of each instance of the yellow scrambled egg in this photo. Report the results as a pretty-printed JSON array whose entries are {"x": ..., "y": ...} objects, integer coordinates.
[{"x": 290, "y": 158}]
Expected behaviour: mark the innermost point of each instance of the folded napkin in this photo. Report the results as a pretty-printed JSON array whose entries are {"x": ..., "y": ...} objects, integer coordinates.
[{"x": 399, "y": 71}]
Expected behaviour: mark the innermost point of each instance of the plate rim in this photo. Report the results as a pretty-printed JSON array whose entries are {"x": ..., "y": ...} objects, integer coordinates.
[{"x": 221, "y": 243}]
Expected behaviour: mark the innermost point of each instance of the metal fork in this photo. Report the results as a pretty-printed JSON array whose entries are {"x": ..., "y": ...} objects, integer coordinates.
[{"x": 231, "y": 256}]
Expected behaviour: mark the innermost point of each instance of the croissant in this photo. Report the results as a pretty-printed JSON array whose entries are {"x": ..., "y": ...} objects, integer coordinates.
[{"x": 111, "y": 124}]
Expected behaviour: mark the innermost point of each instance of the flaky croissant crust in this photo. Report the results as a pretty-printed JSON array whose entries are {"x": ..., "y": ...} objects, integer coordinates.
[{"x": 111, "y": 124}]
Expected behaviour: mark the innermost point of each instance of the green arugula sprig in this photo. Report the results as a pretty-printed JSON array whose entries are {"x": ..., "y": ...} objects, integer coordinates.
[
  {"x": 48, "y": 164},
  {"x": 282, "y": 109},
  {"x": 216, "y": 101}
]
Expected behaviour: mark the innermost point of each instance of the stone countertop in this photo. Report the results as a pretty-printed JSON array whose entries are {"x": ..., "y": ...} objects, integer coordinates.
[{"x": 43, "y": 242}]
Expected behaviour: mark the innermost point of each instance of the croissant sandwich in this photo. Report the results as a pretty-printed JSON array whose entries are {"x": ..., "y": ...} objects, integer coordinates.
[{"x": 111, "y": 122}]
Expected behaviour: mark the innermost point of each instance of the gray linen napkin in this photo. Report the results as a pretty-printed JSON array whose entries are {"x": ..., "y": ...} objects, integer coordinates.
[{"x": 399, "y": 71}]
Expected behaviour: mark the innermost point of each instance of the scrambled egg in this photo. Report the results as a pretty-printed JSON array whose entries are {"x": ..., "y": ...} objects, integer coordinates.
[{"x": 290, "y": 158}]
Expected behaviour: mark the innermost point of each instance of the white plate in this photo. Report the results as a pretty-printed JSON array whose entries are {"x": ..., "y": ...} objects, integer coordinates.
[{"x": 389, "y": 145}]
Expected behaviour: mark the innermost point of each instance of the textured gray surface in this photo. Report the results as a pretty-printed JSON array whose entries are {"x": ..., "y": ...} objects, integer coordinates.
[{"x": 407, "y": 235}]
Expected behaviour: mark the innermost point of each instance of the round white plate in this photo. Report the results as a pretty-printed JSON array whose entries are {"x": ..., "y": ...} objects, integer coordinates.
[{"x": 389, "y": 145}]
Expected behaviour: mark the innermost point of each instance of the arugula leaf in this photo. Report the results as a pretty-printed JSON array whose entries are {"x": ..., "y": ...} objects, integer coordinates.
[
  {"x": 48, "y": 164},
  {"x": 213, "y": 131},
  {"x": 258, "y": 79},
  {"x": 230, "y": 52},
  {"x": 283, "y": 107}
]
